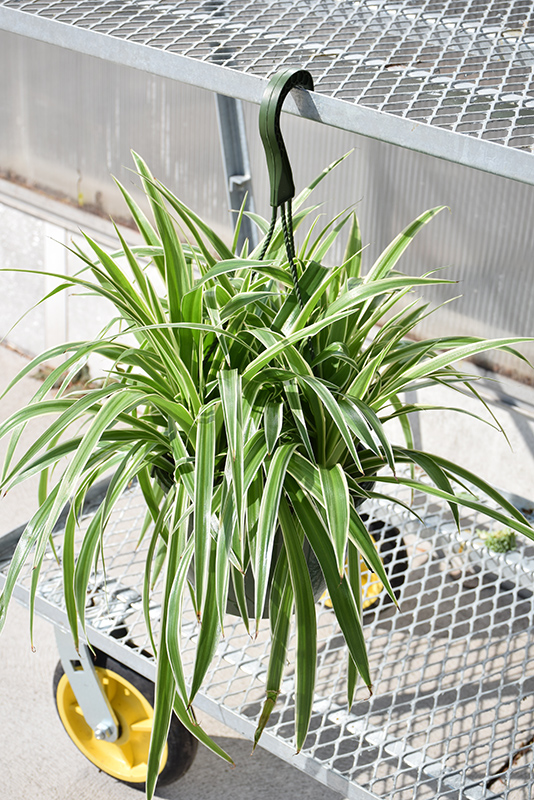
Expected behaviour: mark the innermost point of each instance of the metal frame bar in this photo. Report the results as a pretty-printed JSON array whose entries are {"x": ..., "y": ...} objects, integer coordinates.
[
  {"x": 421, "y": 137},
  {"x": 236, "y": 163}
]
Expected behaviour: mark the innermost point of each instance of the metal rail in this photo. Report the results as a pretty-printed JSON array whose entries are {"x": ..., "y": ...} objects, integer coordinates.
[
  {"x": 452, "y": 712},
  {"x": 450, "y": 79}
]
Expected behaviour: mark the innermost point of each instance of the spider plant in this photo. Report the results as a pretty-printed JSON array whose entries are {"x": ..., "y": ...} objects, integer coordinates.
[{"x": 254, "y": 423}]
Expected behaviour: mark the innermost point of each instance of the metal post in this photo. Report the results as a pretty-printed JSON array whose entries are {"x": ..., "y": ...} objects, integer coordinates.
[{"x": 236, "y": 164}]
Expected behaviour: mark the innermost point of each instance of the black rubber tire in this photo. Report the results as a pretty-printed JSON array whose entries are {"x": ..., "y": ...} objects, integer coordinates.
[{"x": 182, "y": 745}]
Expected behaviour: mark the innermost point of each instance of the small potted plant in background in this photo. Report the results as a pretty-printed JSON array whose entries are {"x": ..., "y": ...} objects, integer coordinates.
[{"x": 248, "y": 394}]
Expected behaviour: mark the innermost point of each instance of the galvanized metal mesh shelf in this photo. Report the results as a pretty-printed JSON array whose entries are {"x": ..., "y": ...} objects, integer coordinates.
[
  {"x": 452, "y": 714},
  {"x": 411, "y": 72}
]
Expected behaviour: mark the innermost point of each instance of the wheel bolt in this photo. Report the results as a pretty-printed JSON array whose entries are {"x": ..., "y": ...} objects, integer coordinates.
[{"x": 103, "y": 731}]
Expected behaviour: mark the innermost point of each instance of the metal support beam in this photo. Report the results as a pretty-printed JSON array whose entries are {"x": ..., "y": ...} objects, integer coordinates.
[{"x": 236, "y": 164}]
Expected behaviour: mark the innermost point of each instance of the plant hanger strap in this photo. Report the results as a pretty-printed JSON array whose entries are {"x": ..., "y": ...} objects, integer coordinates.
[{"x": 280, "y": 174}]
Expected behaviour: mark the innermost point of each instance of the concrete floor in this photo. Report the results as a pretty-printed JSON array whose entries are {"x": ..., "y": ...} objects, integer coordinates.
[{"x": 37, "y": 759}]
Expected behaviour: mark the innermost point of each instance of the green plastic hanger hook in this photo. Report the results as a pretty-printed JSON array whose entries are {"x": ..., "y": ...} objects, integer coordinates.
[{"x": 280, "y": 174}]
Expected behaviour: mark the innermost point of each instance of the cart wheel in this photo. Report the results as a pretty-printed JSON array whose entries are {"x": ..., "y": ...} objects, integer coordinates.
[
  {"x": 392, "y": 549},
  {"x": 132, "y": 698}
]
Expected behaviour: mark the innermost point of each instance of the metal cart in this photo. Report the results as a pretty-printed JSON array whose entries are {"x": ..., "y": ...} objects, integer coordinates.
[
  {"x": 452, "y": 713},
  {"x": 453, "y": 707}
]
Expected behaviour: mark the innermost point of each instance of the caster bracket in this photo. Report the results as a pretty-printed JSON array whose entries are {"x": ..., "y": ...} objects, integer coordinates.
[{"x": 81, "y": 674}]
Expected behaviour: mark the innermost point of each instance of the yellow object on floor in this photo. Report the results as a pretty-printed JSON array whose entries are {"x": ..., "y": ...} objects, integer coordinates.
[{"x": 371, "y": 588}]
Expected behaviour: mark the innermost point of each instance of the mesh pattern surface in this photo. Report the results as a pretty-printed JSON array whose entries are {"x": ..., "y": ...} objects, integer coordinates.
[
  {"x": 452, "y": 710},
  {"x": 463, "y": 66}
]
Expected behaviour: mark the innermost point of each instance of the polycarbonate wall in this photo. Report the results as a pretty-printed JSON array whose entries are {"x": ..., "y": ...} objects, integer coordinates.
[
  {"x": 484, "y": 239},
  {"x": 69, "y": 122}
]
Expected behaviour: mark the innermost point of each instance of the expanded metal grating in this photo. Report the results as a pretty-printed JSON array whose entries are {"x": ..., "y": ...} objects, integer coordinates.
[
  {"x": 452, "y": 714},
  {"x": 465, "y": 67}
]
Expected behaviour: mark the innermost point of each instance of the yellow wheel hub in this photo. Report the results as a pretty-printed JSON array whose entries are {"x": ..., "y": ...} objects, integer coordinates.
[
  {"x": 126, "y": 758},
  {"x": 371, "y": 587}
]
